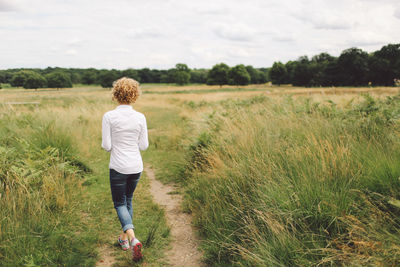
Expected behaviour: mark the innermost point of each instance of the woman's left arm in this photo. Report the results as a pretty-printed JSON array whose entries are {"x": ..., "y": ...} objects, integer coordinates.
[
  {"x": 106, "y": 134},
  {"x": 143, "y": 138}
]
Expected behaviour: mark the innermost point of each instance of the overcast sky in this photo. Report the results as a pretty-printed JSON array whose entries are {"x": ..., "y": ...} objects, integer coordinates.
[{"x": 160, "y": 33}]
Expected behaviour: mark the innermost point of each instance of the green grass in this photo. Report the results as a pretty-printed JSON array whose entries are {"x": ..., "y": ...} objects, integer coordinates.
[
  {"x": 295, "y": 183},
  {"x": 39, "y": 177},
  {"x": 149, "y": 219},
  {"x": 167, "y": 130},
  {"x": 56, "y": 206}
]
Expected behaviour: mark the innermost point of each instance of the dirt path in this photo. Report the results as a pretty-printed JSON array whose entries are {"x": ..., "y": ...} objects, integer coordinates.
[
  {"x": 107, "y": 259},
  {"x": 184, "y": 250}
]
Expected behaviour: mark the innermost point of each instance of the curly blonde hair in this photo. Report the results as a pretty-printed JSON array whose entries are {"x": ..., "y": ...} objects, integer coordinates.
[{"x": 125, "y": 90}]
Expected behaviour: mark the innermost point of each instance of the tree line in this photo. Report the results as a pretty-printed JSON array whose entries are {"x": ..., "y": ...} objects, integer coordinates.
[
  {"x": 181, "y": 74},
  {"x": 354, "y": 67}
]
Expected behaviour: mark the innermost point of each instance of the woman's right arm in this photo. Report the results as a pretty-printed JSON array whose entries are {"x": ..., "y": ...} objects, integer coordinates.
[
  {"x": 106, "y": 134},
  {"x": 143, "y": 138}
]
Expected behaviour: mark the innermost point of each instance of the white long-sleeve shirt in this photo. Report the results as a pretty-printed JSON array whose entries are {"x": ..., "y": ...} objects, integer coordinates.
[{"x": 124, "y": 134}]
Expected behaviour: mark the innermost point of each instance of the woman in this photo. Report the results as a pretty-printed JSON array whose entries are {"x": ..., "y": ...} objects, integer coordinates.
[{"x": 124, "y": 133}]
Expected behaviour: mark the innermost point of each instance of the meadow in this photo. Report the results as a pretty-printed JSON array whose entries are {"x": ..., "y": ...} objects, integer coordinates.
[{"x": 273, "y": 176}]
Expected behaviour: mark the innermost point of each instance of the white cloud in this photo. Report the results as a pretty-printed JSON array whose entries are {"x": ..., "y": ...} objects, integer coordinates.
[
  {"x": 367, "y": 41},
  {"x": 145, "y": 33},
  {"x": 121, "y": 50},
  {"x": 237, "y": 32},
  {"x": 326, "y": 23},
  {"x": 211, "y": 9},
  {"x": 324, "y": 16},
  {"x": 70, "y": 52},
  {"x": 283, "y": 38},
  {"x": 74, "y": 42},
  {"x": 397, "y": 13},
  {"x": 6, "y": 6},
  {"x": 160, "y": 33}
]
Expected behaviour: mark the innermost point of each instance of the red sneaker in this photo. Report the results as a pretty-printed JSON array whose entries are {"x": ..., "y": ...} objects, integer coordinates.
[{"x": 136, "y": 249}]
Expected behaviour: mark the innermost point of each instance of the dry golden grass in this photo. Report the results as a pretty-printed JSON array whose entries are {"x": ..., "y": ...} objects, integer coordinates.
[
  {"x": 7, "y": 94},
  {"x": 78, "y": 113},
  {"x": 85, "y": 105}
]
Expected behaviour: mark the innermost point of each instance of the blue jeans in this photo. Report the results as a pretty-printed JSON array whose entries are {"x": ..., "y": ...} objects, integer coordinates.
[{"x": 122, "y": 188}]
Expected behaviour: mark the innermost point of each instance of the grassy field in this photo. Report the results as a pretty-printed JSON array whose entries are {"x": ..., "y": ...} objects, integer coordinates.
[
  {"x": 56, "y": 206},
  {"x": 274, "y": 176}
]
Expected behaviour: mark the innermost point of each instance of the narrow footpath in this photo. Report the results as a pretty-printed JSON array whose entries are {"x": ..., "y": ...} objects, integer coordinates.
[
  {"x": 107, "y": 258},
  {"x": 184, "y": 251}
]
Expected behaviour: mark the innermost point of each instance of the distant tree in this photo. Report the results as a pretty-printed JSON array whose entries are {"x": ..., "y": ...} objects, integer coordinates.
[
  {"x": 181, "y": 74},
  {"x": 264, "y": 75},
  {"x": 379, "y": 71},
  {"x": 107, "y": 77},
  {"x": 2, "y": 77},
  {"x": 353, "y": 67},
  {"x": 278, "y": 73},
  {"x": 145, "y": 75},
  {"x": 218, "y": 74},
  {"x": 48, "y": 70},
  {"x": 302, "y": 73},
  {"x": 131, "y": 73},
  {"x": 34, "y": 80},
  {"x": 322, "y": 57},
  {"x": 198, "y": 76},
  {"x": 182, "y": 67},
  {"x": 384, "y": 65},
  {"x": 167, "y": 76},
  {"x": 238, "y": 75},
  {"x": 7, "y": 76},
  {"x": 76, "y": 78},
  {"x": 182, "y": 77},
  {"x": 390, "y": 52},
  {"x": 255, "y": 75},
  {"x": 318, "y": 66},
  {"x": 156, "y": 75},
  {"x": 58, "y": 79},
  {"x": 164, "y": 78},
  {"x": 331, "y": 73},
  {"x": 18, "y": 79},
  {"x": 90, "y": 76}
]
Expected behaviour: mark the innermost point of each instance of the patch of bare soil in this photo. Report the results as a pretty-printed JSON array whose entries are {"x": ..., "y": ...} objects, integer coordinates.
[{"x": 107, "y": 259}]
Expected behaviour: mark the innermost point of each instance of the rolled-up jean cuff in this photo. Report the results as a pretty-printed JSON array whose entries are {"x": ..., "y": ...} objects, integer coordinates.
[{"x": 127, "y": 227}]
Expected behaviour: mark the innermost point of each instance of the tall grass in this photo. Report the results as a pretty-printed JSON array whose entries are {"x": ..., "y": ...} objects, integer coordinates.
[
  {"x": 55, "y": 202},
  {"x": 298, "y": 183},
  {"x": 39, "y": 184}
]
